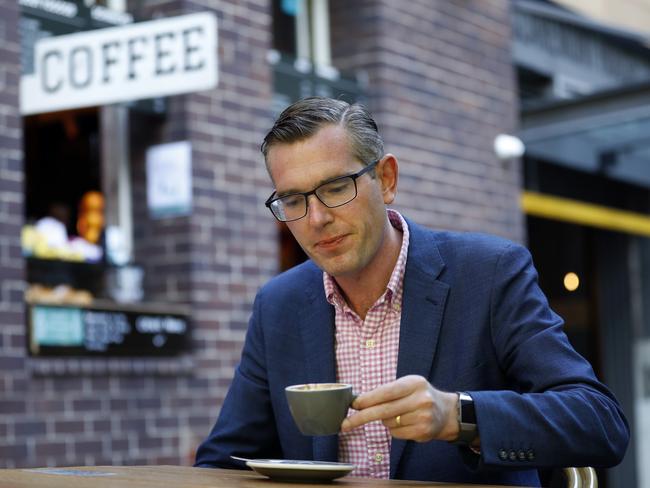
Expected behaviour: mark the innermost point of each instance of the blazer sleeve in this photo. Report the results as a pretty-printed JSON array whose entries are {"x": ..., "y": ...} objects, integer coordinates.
[
  {"x": 245, "y": 426},
  {"x": 558, "y": 413}
]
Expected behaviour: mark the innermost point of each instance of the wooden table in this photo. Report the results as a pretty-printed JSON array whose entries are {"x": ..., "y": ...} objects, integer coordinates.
[{"x": 172, "y": 477}]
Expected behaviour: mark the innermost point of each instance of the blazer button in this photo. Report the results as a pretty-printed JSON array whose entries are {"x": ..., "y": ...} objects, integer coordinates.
[
  {"x": 512, "y": 456},
  {"x": 521, "y": 455},
  {"x": 503, "y": 455},
  {"x": 530, "y": 455}
]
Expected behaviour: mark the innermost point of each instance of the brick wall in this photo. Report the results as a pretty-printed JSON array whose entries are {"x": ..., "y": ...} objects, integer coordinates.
[
  {"x": 229, "y": 245},
  {"x": 151, "y": 411},
  {"x": 235, "y": 241},
  {"x": 13, "y": 379},
  {"x": 441, "y": 84}
]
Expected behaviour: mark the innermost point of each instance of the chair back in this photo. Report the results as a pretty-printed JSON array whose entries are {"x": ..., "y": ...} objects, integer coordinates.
[{"x": 581, "y": 477}]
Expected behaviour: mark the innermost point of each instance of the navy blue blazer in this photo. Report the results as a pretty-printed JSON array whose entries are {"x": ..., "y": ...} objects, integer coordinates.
[{"x": 473, "y": 319}]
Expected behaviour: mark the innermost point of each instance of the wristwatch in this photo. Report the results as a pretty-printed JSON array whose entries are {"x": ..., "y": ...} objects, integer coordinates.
[{"x": 467, "y": 430}]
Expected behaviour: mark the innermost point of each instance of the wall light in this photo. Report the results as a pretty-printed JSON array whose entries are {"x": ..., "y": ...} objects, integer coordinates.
[
  {"x": 571, "y": 281},
  {"x": 508, "y": 147}
]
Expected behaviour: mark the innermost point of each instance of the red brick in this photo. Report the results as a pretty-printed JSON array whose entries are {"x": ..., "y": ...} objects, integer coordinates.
[
  {"x": 29, "y": 428},
  {"x": 69, "y": 426},
  {"x": 84, "y": 448},
  {"x": 50, "y": 449},
  {"x": 13, "y": 451},
  {"x": 8, "y": 407},
  {"x": 86, "y": 405}
]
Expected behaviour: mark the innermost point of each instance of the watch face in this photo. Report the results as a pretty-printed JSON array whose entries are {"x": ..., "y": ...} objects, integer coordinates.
[
  {"x": 467, "y": 412},
  {"x": 467, "y": 420}
]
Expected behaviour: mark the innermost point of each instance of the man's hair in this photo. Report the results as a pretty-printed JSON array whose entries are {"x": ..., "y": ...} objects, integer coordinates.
[{"x": 305, "y": 117}]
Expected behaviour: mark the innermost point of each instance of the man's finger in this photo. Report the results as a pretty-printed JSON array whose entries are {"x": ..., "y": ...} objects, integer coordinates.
[
  {"x": 386, "y": 393},
  {"x": 383, "y": 411},
  {"x": 363, "y": 417}
]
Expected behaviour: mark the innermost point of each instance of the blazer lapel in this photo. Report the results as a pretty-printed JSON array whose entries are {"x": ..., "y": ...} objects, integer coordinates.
[
  {"x": 422, "y": 312},
  {"x": 317, "y": 330}
]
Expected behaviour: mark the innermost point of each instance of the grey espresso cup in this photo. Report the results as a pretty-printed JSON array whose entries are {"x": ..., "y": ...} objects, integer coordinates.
[{"x": 319, "y": 408}]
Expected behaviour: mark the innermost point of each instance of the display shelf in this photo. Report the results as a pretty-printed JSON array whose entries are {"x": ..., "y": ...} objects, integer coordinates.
[{"x": 79, "y": 275}]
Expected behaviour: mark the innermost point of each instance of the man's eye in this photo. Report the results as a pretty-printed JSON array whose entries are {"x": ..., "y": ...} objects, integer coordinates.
[
  {"x": 336, "y": 187},
  {"x": 291, "y": 201}
]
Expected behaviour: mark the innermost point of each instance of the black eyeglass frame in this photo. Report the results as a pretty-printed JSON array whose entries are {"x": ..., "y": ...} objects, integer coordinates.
[{"x": 354, "y": 176}]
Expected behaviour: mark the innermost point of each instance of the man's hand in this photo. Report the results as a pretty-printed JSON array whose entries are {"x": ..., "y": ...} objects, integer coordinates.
[{"x": 424, "y": 412}]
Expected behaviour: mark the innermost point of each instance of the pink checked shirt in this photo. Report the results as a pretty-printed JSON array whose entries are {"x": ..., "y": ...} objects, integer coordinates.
[{"x": 366, "y": 357}]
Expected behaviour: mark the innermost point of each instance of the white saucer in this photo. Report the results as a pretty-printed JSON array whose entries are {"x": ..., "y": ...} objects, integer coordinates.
[{"x": 293, "y": 470}]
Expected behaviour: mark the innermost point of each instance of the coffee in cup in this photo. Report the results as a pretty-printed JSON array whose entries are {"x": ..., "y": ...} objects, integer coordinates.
[{"x": 319, "y": 408}]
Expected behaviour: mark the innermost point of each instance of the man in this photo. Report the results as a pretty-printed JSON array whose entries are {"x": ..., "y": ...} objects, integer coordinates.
[{"x": 462, "y": 370}]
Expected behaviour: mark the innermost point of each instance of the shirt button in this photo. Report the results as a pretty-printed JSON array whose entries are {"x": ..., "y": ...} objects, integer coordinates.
[
  {"x": 370, "y": 343},
  {"x": 379, "y": 457},
  {"x": 397, "y": 307}
]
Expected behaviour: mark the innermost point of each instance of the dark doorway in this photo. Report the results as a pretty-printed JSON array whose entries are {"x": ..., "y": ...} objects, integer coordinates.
[
  {"x": 564, "y": 256},
  {"x": 597, "y": 313},
  {"x": 291, "y": 254},
  {"x": 559, "y": 249},
  {"x": 62, "y": 162}
]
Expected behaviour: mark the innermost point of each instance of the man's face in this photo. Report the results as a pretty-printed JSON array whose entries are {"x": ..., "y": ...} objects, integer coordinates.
[{"x": 341, "y": 240}]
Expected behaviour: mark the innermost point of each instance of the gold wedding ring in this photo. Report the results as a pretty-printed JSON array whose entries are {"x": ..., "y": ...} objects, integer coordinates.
[{"x": 398, "y": 420}]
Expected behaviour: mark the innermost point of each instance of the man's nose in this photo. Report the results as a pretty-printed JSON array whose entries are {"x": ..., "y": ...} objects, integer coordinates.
[{"x": 317, "y": 212}]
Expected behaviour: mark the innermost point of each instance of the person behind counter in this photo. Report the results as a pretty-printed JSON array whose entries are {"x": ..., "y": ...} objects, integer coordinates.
[{"x": 424, "y": 324}]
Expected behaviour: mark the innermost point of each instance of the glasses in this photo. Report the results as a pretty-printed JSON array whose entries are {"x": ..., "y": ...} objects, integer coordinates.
[{"x": 333, "y": 193}]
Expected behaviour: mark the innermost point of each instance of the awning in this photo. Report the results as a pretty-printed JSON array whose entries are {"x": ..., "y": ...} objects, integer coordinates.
[{"x": 606, "y": 133}]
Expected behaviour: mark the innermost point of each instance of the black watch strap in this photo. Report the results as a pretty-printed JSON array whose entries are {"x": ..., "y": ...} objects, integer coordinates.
[{"x": 467, "y": 429}]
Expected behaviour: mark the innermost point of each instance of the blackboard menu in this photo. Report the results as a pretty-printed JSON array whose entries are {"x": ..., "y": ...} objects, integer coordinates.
[{"x": 62, "y": 330}]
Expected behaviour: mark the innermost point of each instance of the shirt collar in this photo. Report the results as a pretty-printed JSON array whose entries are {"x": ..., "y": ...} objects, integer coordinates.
[{"x": 333, "y": 292}]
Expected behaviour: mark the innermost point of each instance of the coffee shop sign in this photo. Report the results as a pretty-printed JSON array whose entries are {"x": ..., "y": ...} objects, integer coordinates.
[{"x": 120, "y": 64}]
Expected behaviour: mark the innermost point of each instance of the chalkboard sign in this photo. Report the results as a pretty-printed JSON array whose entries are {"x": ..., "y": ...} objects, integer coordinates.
[{"x": 57, "y": 330}]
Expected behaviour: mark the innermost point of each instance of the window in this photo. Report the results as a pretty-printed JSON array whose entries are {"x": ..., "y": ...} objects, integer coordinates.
[{"x": 301, "y": 31}]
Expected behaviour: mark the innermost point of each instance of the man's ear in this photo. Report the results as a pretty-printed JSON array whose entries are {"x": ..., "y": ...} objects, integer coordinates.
[{"x": 387, "y": 174}]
